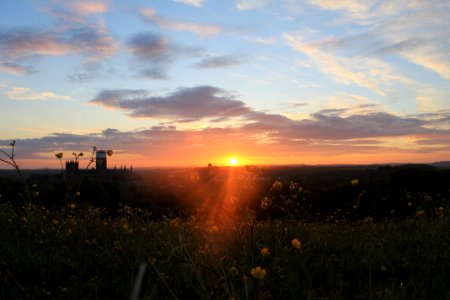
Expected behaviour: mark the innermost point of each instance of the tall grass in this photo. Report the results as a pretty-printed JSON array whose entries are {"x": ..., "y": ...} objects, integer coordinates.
[{"x": 82, "y": 253}]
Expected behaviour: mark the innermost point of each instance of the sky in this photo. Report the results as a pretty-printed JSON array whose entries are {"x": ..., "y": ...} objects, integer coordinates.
[{"x": 167, "y": 83}]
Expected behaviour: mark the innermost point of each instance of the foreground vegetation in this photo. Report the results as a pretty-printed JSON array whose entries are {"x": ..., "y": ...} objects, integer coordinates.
[
  {"x": 80, "y": 252},
  {"x": 230, "y": 233}
]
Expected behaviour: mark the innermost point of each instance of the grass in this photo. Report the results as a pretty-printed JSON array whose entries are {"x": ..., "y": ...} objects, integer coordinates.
[{"x": 80, "y": 252}]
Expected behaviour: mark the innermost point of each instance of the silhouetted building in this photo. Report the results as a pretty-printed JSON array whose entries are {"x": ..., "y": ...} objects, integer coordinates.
[{"x": 100, "y": 160}]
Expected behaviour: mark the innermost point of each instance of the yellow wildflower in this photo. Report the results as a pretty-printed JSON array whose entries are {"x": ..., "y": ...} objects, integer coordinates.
[
  {"x": 72, "y": 205},
  {"x": 420, "y": 213},
  {"x": 213, "y": 229},
  {"x": 296, "y": 243},
  {"x": 77, "y": 194},
  {"x": 59, "y": 155},
  {"x": 174, "y": 224},
  {"x": 265, "y": 251},
  {"x": 277, "y": 185},
  {"x": 258, "y": 272},
  {"x": 354, "y": 182}
]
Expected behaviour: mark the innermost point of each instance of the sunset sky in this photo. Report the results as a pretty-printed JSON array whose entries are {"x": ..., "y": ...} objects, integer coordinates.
[{"x": 192, "y": 82}]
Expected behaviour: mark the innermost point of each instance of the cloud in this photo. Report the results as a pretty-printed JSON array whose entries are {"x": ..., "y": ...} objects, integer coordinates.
[
  {"x": 21, "y": 93},
  {"x": 154, "y": 54},
  {"x": 191, "y": 2},
  {"x": 90, "y": 42},
  {"x": 14, "y": 68},
  {"x": 147, "y": 46},
  {"x": 369, "y": 72},
  {"x": 356, "y": 10},
  {"x": 206, "y": 102},
  {"x": 150, "y": 15},
  {"x": 215, "y": 62},
  {"x": 323, "y": 136},
  {"x": 251, "y": 4},
  {"x": 415, "y": 30},
  {"x": 89, "y": 8},
  {"x": 188, "y": 103}
]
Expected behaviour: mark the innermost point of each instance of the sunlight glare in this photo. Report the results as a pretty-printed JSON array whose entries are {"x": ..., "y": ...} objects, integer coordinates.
[{"x": 233, "y": 161}]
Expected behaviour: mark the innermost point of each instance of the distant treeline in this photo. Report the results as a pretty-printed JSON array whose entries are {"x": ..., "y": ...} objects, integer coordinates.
[{"x": 312, "y": 193}]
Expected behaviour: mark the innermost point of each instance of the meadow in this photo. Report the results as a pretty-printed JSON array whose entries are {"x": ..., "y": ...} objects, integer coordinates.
[{"x": 227, "y": 233}]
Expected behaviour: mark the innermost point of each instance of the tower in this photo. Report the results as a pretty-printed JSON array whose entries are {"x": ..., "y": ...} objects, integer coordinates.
[{"x": 100, "y": 160}]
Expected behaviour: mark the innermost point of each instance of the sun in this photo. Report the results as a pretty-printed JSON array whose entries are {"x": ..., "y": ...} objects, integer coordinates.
[{"x": 233, "y": 161}]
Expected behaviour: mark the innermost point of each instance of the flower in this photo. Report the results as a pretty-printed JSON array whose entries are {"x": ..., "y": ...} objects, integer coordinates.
[
  {"x": 420, "y": 213},
  {"x": 59, "y": 155},
  {"x": 258, "y": 272},
  {"x": 265, "y": 251},
  {"x": 277, "y": 185},
  {"x": 213, "y": 229},
  {"x": 77, "y": 194},
  {"x": 354, "y": 182},
  {"x": 174, "y": 224},
  {"x": 296, "y": 243},
  {"x": 109, "y": 152}
]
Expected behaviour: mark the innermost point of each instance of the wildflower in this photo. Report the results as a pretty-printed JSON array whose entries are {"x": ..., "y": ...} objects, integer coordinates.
[
  {"x": 213, "y": 229},
  {"x": 174, "y": 224},
  {"x": 34, "y": 186},
  {"x": 109, "y": 152},
  {"x": 59, "y": 155},
  {"x": 258, "y": 272},
  {"x": 72, "y": 205},
  {"x": 125, "y": 226},
  {"x": 277, "y": 185},
  {"x": 77, "y": 194},
  {"x": 265, "y": 251},
  {"x": 420, "y": 213},
  {"x": 354, "y": 182},
  {"x": 265, "y": 203},
  {"x": 296, "y": 243},
  {"x": 36, "y": 194}
]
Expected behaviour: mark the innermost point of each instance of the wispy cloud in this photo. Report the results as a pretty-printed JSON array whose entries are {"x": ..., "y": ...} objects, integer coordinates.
[
  {"x": 89, "y": 8},
  {"x": 215, "y": 62},
  {"x": 251, "y": 4},
  {"x": 371, "y": 73},
  {"x": 90, "y": 42},
  {"x": 150, "y": 15},
  {"x": 21, "y": 93},
  {"x": 191, "y": 2},
  {"x": 14, "y": 68}
]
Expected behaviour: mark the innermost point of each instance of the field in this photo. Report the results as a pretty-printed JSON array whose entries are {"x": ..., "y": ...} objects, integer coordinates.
[{"x": 227, "y": 233}]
